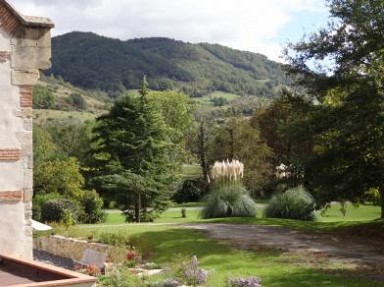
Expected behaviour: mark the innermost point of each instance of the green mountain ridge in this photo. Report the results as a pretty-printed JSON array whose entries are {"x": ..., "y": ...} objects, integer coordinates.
[{"x": 95, "y": 62}]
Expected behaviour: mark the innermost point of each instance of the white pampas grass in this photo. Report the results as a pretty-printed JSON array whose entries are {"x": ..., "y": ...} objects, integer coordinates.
[
  {"x": 232, "y": 170},
  {"x": 228, "y": 197}
]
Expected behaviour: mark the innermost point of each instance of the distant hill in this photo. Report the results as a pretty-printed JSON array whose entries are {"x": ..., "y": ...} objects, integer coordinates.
[
  {"x": 91, "y": 61},
  {"x": 56, "y": 100}
]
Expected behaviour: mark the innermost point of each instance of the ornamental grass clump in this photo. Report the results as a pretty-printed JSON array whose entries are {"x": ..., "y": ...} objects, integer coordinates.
[
  {"x": 295, "y": 203},
  {"x": 228, "y": 197}
]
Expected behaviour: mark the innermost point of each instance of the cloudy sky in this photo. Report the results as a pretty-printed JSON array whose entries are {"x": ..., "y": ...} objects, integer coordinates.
[{"x": 262, "y": 26}]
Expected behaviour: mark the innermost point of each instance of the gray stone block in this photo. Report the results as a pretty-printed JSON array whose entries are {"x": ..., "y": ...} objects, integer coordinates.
[
  {"x": 25, "y": 78},
  {"x": 29, "y": 58}
]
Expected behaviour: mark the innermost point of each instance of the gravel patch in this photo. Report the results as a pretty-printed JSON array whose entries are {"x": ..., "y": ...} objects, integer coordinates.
[{"x": 51, "y": 259}]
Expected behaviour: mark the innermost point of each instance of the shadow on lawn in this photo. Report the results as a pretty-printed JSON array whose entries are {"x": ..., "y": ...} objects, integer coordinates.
[
  {"x": 168, "y": 244},
  {"x": 315, "y": 226}
]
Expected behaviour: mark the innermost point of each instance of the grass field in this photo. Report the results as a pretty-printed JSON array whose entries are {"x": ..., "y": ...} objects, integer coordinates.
[
  {"x": 190, "y": 171},
  {"x": 172, "y": 215},
  {"x": 332, "y": 215},
  {"x": 362, "y": 212},
  {"x": 206, "y": 100},
  {"x": 170, "y": 245},
  {"x": 48, "y": 115}
]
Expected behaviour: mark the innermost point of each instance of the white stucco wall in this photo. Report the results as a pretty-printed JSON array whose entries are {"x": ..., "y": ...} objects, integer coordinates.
[
  {"x": 9, "y": 100},
  {"x": 25, "y": 48},
  {"x": 14, "y": 240}
]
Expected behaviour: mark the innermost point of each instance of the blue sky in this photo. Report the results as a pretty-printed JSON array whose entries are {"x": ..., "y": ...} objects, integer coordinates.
[
  {"x": 262, "y": 26},
  {"x": 303, "y": 22}
]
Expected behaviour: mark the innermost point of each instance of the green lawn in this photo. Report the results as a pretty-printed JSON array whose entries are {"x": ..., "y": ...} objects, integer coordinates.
[
  {"x": 190, "y": 171},
  {"x": 170, "y": 245},
  {"x": 362, "y": 212},
  {"x": 333, "y": 215},
  {"x": 173, "y": 215}
]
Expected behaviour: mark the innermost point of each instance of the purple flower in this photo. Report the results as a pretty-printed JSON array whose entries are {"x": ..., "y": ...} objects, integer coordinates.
[
  {"x": 192, "y": 274},
  {"x": 244, "y": 282}
]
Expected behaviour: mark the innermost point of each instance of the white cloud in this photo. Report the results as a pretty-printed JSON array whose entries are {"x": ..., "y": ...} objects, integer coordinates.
[{"x": 251, "y": 25}]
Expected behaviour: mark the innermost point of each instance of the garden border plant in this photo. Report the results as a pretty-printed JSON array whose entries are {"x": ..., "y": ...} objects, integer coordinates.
[
  {"x": 295, "y": 203},
  {"x": 228, "y": 197}
]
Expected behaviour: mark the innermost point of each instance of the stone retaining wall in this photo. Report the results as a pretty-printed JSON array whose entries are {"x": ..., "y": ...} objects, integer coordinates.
[{"x": 69, "y": 247}]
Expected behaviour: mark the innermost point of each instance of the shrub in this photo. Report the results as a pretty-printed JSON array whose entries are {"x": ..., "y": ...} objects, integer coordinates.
[
  {"x": 295, "y": 203},
  {"x": 58, "y": 210},
  {"x": 244, "y": 282},
  {"x": 77, "y": 101},
  {"x": 190, "y": 191},
  {"x": 92, "y": 205},
  {"x": 145, "y": 215},
  {"x": 219, "y": 101},
  {"x": 43, "y": 98},
  {"x": 38, "y": 202}
]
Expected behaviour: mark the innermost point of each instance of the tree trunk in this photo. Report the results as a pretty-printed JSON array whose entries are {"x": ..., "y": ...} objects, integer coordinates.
[
  {"x": 381, "y": 191},
  {"x": 231, "y": 144},
  {"x": 138, "y": 208},
  {"x": 203, "y": 162}
]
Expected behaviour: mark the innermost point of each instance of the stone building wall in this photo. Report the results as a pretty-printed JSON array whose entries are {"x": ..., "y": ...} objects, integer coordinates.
[{"x": 25, "y": 48}]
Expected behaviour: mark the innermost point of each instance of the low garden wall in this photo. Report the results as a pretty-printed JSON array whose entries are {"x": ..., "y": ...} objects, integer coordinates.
[{"x": 68, "y": 247}]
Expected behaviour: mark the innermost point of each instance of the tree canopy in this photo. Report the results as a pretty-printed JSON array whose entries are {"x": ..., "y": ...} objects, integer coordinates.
[
  {"x": 134, "y": 150},
  {"x": 342, "y": 67}
]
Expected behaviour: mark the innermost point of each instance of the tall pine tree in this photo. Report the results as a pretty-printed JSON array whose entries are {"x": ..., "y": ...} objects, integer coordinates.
[{"x": 132, "y": 151}]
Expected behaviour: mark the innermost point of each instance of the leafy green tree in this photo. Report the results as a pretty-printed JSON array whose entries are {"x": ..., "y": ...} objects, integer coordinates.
[
  {"x": 274, "y": 121},
  {"x": 348, "y": 82},
  {"x": 176, "y": 109},
  {"x": 133, "y": 152},
  {"x": 284, "y": 127},
  {"x": 238, "y": 140},
  {"x": 72, "y": 138},
  {"x": 60, "y": 176},
  {"x": 197, "y": 142},
  {"x": 43, "y": 146}
]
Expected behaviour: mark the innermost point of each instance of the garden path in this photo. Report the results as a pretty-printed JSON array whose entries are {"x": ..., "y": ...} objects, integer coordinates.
[{"x": 253, "y": 237}]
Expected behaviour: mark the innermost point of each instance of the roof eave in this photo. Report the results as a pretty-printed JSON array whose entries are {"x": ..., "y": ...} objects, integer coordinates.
[{"x": 30, "y": 21}]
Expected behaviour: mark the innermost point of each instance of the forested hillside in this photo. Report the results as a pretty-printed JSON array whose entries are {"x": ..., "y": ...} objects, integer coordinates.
[{"x": 95, "y": 62}]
